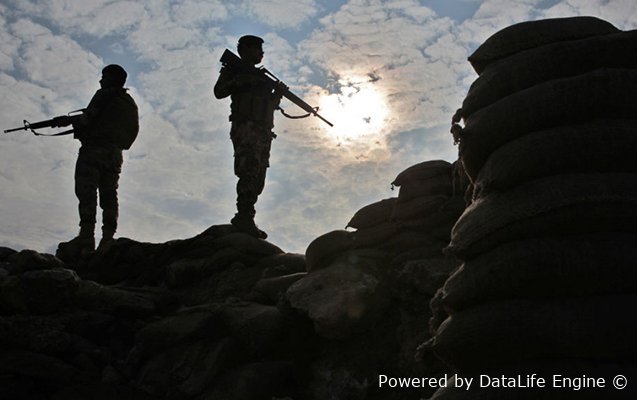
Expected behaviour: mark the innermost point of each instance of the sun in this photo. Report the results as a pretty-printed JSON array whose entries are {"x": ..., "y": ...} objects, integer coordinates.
[{"x": 358, "y": 112}]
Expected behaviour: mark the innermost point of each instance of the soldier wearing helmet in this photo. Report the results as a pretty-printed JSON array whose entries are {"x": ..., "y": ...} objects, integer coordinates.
[
  {"x": 109, "y": 125},
  {"x": 253, "y": 102}
]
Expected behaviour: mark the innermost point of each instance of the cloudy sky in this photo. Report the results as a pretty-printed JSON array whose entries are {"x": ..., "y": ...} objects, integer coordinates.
[{"x": 389, "y": 74}]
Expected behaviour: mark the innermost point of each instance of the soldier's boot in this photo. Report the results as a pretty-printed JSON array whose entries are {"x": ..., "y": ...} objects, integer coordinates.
[
  {"x": 107, "y": 238},
  {"x": 83, "y": 244},
  {"x": 245, "y": 223}
]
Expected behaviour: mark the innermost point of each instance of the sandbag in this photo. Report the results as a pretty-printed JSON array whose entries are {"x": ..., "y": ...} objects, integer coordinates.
[
  {"x": 438, "y": 312},
  {"x": 438, "y": 225},
  {"x": 418, "y": 207},
  {"x": 371, "y": 237},
  {"x": 546, "y": 268},
  {"x": 405, "y": 241},
  {"x": 446, "y": 216},
  {"x": 432, "y": 250},
  {"x": 604, "y": 93},
  {"x": 326, "y": 247},
  {"x": 557, "y": 205},
  {"x": 530, "y": 34},
  {"x": 373, "y": 214},
  {"x": 513, "y": 331},
  {"x": 552, "y": 61},
  {"x": 439, "y": 231},
  {"x": 422, "y": 171},
  {"x": 440, "y": 184},
  {"x": 600, "y": 146}
]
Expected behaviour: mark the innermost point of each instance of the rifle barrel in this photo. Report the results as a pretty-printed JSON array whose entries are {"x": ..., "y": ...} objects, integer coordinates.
[
  {"x": 324, "y": 120},
  {"x": 22, "y": 128}
]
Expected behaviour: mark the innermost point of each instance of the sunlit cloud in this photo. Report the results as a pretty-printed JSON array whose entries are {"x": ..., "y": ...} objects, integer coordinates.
[{"x": 359, "y": 113}]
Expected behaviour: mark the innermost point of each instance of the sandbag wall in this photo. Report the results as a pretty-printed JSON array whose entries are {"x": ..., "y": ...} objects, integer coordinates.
[
  {"x": 548, "y": 282},
  {"x": 369, "y": 288}
]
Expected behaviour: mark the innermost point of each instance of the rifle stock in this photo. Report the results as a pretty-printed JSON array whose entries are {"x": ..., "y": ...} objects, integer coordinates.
[{"x": 231, "y": 60}]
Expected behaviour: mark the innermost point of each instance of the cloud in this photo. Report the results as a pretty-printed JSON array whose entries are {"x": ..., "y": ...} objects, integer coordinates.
[
  {"x": 281, "y": 13},
  {"x": 621, "y": 13},
  {"x": 178, "y": 179}
]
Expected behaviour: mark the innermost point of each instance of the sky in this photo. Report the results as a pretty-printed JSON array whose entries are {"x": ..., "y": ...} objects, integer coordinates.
[{"x": 388, "y": 74}]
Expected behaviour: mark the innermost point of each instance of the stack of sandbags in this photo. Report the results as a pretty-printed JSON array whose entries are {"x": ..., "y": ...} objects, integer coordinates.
[
  {"x": 395, "y": 253},
  {"x": 412, "y": 226},
  {"x": 547, "y": 283},
  {"x": 369, "y": 287},
  {"x": 428, "y": 205}
]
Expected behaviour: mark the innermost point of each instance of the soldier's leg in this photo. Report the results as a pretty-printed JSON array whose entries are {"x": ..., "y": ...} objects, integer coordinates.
[
  {"x": 246, "y": 169},
  {"x": 86, "y": 182},
  {"x": 262, "y": 165},
  {"x": 108, "y": 184}
]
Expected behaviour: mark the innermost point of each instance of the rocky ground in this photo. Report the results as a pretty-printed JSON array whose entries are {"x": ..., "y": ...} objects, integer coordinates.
[{"x": 223, "y": 315}]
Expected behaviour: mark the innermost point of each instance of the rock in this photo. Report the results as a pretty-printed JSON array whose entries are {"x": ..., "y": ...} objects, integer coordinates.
[
  {"x": 256, "y": 381},
  {"x": 37, "y": 334},
  {"x": 185, "y": 370},
  {"x": 282, "y": 264},
  {"x": 115, "y": 301},
  {"x": 5, "y": 252},
  {"x": 273, "y": 288},
  {"x": 249, "y": 244},
  {"x": 48, "y": 290},
  {"x": 43, "y": 367},
  {"x": 258, "y": 328},
  {"x": 188, "y": 325},
  {"x": 341, "y": 300},
  {"x": 29, "y": 260},
  {"x": 12, "y": 296}
]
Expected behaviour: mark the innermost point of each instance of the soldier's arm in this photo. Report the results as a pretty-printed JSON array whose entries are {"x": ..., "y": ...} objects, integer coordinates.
[
  {"x": 93, "y": 109},
  {"x": 223, "y": 87}
]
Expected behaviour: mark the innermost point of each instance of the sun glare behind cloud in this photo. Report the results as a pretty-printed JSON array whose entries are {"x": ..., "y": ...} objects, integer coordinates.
[{"x": 358, "y": 113}]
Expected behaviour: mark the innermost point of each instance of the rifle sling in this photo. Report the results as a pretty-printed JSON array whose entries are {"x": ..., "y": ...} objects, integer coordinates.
[
  {"x": 293, "y": 116},
  {"x": 67, "y": 132}
]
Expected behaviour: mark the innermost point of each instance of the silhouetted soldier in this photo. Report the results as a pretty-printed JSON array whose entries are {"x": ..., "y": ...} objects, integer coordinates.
[
  {"x": 108, "y": 125},
  {"x": 252, "y": 116}
]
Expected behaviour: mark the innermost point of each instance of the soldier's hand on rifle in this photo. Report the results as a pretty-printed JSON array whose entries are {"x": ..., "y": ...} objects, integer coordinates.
[
  {"x": 457, "y": 117},
  {"x": 280, "y": 88},
  {"x": 62, "y": 120}
]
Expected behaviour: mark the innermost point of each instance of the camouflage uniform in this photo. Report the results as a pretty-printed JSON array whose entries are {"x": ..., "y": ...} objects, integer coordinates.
[
  {"x": 252, "y": 116},
  {"x": 99, "y": 163},
  {"x": 98, "y": 169},
  {"x": 108, "y": 125},
  {"x": 251, "y": 144}
]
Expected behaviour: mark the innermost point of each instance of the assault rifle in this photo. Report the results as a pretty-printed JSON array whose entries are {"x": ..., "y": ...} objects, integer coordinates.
[
  {"x": 56, "y": 122},
  {"x": 231, "y": 60}
]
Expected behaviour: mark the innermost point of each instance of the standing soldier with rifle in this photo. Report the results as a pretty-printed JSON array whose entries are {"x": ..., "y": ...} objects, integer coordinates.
[
  {"x": 254, "y": 100},
  {"x": 108, "y": 125},
  {"x": 255, "y": 94}
]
